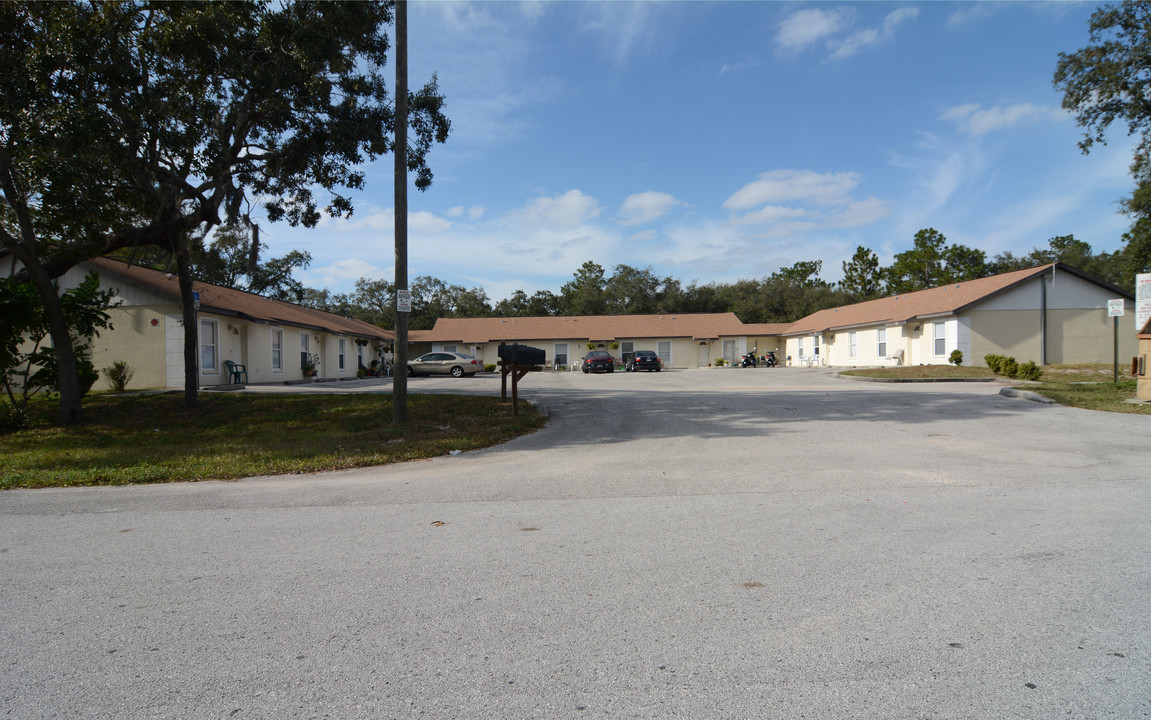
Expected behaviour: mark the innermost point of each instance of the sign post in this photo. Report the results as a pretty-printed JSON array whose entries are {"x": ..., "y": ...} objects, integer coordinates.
[{"x": 1115, "y": 310}]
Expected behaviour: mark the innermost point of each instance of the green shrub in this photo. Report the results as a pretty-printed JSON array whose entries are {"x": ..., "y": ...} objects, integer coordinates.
[
  {"x": 994, "y": 363},
  {"x": 956, "y": 358},
  {"x": 1028, "y": 371},
  {"x": 119, "y": 375},
  {"x": 1009, "y": 367},
  {"x": 490, "y": 367},
  {"x": 719, "y": 362}
]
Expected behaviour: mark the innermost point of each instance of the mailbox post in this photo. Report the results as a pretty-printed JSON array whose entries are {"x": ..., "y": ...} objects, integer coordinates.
[{"x": 517, "y": 360}]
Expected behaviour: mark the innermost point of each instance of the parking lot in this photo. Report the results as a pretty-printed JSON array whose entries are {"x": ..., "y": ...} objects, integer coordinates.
[{"x": 714, "y": 543}]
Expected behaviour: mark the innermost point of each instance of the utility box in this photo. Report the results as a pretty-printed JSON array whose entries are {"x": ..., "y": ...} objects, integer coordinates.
[{"x": 517, "y": 354}]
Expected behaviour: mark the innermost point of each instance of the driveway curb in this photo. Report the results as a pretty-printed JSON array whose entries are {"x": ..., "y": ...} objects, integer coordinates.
[{"x": 1025, "y": 395}]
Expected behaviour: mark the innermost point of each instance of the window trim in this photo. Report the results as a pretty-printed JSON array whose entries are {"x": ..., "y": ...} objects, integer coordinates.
[
  {"x": 881, "y": 342},
  {"x": 214, "y": 325},
  {"x": 556, "y": 354},
  {"x": 341, "y": 352},
  {"x": 938, "y": 337},
  {"x": 277, "y": 363},
  {"x": 852, "y": 344}
]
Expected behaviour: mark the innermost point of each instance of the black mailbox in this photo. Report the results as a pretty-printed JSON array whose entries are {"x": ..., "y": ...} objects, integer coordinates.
[{"x": 521, "y": 355}]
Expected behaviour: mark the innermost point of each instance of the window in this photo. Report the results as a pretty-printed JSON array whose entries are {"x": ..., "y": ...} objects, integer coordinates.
[
  {"x": 208, "y": 341},
  {"x": 359, "y": 355},
  {"x": 940, "y": 338},
  {"x": 881, "y": 334},
  {"x": 561, "y": 355},
  {"x": 303, "y": 349},
  {"x": 729, "y": 351},
  {"x": 663, "y": 349},
  {"x": 816, "y": 351},
  {"x": 799, "y": 350},
  {"x": 343, "y": 344},
  {"x": 450, "y": 348},
  {"x": 852, "y": 345},
  {"x": 277, "y": 351},
  {"x": 627, "y": 350}
]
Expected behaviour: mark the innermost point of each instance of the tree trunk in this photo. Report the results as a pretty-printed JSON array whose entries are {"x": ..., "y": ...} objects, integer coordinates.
[
  {"x": 191, "y": 328},
  {"x": 70, "y": 410}
]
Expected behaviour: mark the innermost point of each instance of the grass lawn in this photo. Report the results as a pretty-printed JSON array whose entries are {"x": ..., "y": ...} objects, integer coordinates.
[
  {"x": 1086, "y": 385},
  {"x": 154, "y": 438}
]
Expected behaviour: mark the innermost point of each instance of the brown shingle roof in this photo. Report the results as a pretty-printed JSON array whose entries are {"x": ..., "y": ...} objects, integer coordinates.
[
  {"x": 897, "y": 309},
  {"x": 237, "y": 303},
  {"x": 589, "y": 327}
]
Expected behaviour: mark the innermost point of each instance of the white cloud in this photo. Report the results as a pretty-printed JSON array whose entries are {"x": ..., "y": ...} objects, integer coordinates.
[
  {"x": 567, "y": 211},
  {"x": 769, "y": 215},
  {"x": 384, "y": 221},
  {"x": 805, "y": 27},
  {"x": 456, "y": 211},
  {"x": 625, "y": 28},
  {"x": 860, "y": 213},
  {"x": 782, "y": 186},
  {"x": 476, "y": 212},
  {"x": 790, "y": 203},
  {"x": 339, "y": 272},
  {"x": 645, "y": 207},
  {"x": 873, "y": 36},
  {"x": 972, "y": 119}
]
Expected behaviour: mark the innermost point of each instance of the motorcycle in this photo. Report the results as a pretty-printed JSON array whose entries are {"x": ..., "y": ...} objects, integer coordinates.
[
  {"x": 770, "y": 360},
  {"x": 749, "y": 360}
]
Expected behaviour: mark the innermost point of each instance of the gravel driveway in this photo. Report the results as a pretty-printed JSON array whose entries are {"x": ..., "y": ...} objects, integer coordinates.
[{"x": 758, "y": 543}]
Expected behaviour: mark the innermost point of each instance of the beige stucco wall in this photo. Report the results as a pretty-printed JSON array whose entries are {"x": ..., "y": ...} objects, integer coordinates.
[
  {"x": 135, "y": 340},
  {"x": 685, "y": 353},
  {"x": 1073, "y": 336}
]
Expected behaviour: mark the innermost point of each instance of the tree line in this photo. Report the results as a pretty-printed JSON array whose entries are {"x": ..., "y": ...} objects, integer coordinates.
[{"x": 784, "y": 296}]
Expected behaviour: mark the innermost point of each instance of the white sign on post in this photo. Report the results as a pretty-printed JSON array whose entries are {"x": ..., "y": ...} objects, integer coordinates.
[
  {"x": 404, "y": 301},
  {"x": 1142, "y": 300},
  {"x": 1115, "y": 308}
]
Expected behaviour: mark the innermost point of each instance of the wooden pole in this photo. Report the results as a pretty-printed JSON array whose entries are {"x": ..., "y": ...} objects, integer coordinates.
[{"x": 400, "y": 366}]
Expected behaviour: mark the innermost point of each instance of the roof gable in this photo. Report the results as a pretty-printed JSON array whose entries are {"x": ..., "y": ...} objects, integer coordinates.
[{"x": 943, "y": 300}]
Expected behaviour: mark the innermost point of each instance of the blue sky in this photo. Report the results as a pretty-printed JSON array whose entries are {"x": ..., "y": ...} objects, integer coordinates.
[{"x": 713, "y": 141}]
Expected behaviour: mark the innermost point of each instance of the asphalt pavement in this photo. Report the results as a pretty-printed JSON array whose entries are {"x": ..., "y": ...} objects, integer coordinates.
[{"x": 718, "y": 543}]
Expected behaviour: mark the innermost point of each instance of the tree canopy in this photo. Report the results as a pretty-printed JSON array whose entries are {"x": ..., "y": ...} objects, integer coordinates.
[
  {"x": 126, "y": 124},
  {"x": 1109, "y": 81}
]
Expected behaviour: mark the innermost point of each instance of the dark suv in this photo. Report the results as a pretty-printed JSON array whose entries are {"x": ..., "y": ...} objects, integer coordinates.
[
  {"x": 645, "y": 360},
  {"x": 598, "y": 361}
]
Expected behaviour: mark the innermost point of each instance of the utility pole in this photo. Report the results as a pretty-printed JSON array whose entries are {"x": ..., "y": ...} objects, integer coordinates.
[{"x": 403, "y": 293}]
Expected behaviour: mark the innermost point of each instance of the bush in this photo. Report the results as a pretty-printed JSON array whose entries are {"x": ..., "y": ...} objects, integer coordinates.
[
  {"x": 719, "y": 362},
  {"x": 119, "y": 375},
  {"x": 1029, "y": 371},
  {"x": 956, "y": 358},
  {"x": 1008, "y": 367},
  {"x": 490, "y": 367}
]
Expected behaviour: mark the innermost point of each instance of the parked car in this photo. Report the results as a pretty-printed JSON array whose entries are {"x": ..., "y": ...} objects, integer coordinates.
[
  {"x": 645, "y": 360},
  {"x": 444, "y": 363},
  {"x": 598, "y": 361}
]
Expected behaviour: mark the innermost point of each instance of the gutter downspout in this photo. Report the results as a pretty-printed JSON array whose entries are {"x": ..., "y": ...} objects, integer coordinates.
[{"x": 1043, "y": 316}]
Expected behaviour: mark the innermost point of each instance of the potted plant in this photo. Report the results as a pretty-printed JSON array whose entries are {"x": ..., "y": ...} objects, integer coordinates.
[{"x": 308, "y": 365}]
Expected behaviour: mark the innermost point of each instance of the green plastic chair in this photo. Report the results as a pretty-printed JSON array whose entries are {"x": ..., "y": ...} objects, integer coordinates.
[{"x": 237, "y": 374}]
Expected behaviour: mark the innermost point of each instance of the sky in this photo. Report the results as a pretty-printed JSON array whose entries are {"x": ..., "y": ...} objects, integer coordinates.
[{"x": 718, "y": 141}]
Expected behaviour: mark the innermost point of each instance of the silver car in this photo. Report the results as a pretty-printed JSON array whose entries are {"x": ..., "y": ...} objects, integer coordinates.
[{"x": 444, "y": 363}]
